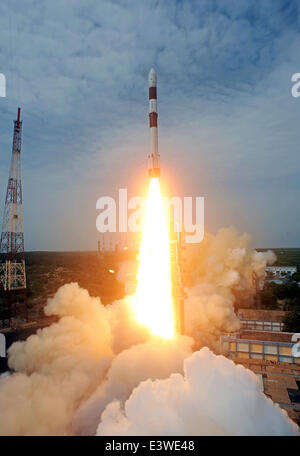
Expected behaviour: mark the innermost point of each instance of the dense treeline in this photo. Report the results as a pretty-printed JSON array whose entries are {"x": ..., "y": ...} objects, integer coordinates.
[{"x": 283, "y": 296}]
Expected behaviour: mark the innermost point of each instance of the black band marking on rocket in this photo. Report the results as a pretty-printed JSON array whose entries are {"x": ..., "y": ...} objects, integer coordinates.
[
  {"x": 153, "y": 119},
  {"x": 152, "y": 93}
]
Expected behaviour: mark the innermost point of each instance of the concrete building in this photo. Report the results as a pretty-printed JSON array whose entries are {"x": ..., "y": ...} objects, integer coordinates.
[
  {"x": 281, "y": 270},
  {"x": 261, "y": 320},
  {"x": 269, "y": 356}
]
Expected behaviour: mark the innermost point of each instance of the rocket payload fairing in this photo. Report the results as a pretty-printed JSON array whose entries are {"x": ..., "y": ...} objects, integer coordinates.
[{"x": 153, "y": 157}]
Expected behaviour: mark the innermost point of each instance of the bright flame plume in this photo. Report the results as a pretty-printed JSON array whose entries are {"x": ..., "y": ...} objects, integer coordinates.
[{"x": 153, "y": 305}]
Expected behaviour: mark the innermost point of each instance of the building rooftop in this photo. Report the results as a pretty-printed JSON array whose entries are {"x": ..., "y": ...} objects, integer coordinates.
[
  {"x": 271, "y": 336},
  {"x": 269, "y": 355},
  {"x": 279, "y": 381},
  {"x": 262, "y": 315}
]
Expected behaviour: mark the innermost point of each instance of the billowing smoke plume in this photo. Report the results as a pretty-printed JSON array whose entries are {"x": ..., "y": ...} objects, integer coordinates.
[
  {"x": 221, "y": 269},
  {"x": 226, "y": 260},
  {"x": 61, "y": 365},
  {"x": 154, "y": 359},
  {"x": 207, "y": 314},
  {"x": 89, "y": 369},
  {"x": 213, "y": 397}
]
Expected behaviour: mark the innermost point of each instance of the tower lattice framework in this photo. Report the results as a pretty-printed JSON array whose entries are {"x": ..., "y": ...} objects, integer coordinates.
[{"x": 12, "y": 265}]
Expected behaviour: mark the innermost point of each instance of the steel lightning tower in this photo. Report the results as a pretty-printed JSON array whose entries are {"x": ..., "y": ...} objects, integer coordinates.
[{"x": 12, "y": 265}]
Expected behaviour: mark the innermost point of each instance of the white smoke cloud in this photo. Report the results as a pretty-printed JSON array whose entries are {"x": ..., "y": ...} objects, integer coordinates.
[
  {"x": 213, "y": 397},
  {"x": 207, "y": 314},
  {"x": 221, "y": 273},
  {"x": 226, "y": 260},
  {"x": 60, "y": 366},
  {"x": 154, "y": 359}
]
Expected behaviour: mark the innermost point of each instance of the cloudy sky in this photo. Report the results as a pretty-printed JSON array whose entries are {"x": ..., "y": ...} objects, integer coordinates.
[{"x": 228, "y": 124}]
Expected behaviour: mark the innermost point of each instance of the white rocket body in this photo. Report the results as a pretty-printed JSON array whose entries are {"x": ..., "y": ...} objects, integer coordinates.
[{"x": 153, "y": 157}]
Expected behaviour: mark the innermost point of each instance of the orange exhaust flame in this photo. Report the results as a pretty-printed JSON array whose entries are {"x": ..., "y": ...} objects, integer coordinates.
[{"x": 153, "y": 305}]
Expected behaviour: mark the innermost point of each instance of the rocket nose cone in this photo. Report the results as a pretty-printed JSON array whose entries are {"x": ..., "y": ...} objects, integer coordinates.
[{"x": 152, "y": 78}]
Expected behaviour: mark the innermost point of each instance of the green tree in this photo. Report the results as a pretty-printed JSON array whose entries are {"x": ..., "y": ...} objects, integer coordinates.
[
  {"x": 269, "y": 296},
  {"x": 274, "y": 291},
  {"x": 292, "y": 320},
  {"x": 296, "y": 276},
  {"x": 288, "y": 291}
]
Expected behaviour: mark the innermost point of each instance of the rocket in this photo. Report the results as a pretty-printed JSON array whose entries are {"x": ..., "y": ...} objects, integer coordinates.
[{"x": 153, "y": 157}]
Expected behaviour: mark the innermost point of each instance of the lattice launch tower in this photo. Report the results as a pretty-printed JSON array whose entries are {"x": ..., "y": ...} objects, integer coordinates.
[{"x": 12, "y": 263}]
